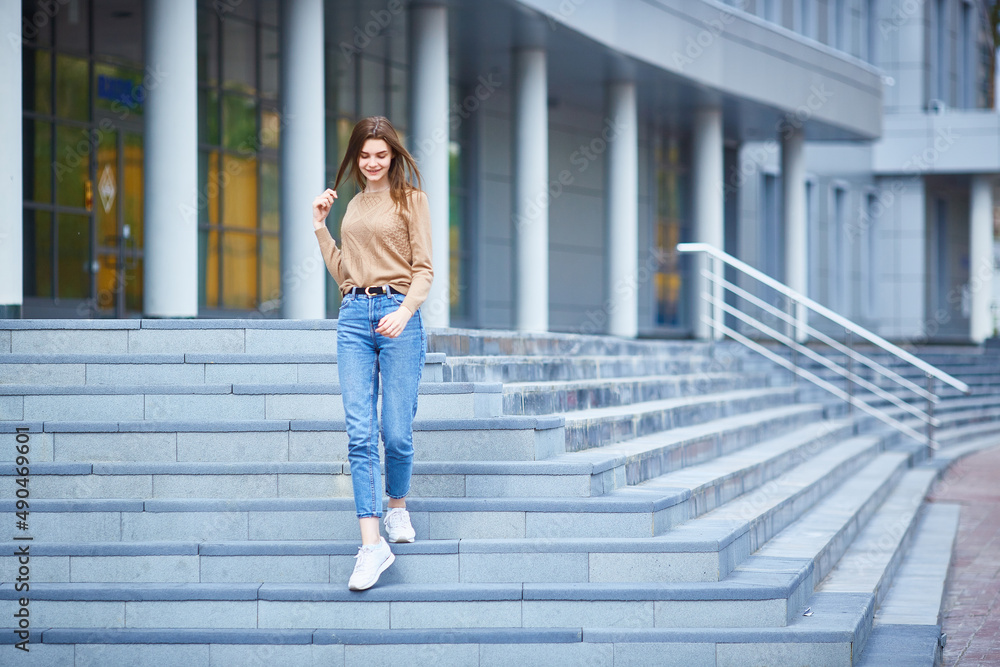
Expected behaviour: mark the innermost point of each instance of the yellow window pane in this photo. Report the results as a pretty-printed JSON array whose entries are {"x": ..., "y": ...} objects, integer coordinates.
[{"x": 239, "y": 266}]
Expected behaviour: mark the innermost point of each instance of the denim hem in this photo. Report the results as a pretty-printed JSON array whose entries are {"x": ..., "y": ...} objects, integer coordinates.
[{"x": 370, "y": 516}]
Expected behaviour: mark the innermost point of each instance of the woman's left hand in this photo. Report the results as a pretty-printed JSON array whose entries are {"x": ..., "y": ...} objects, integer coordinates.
[{"x": 393, "y": 324}]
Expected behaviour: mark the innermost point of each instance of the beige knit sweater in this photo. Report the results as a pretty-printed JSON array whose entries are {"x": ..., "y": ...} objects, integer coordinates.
[{"x": 382, "y": 247}]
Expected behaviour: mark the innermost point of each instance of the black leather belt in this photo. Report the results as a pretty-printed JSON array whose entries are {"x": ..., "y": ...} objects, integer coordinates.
[{"x": 375, "y": 291}]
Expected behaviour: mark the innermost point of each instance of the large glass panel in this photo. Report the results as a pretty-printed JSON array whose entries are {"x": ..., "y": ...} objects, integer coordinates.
[
  {"x": 239, "y": 58},
  {"x": 72, "y": 165},
  {"x": 119, "y": 90},
  {"x": 239, "y": 122},
  {"x": 72, "y": 29},
  {"x": 74, "y": 256},
  {"x": 37, "y": 66},
  {"x": 268, "y": 11},
  {"x": 270, "y": 276},
  {"x": 397, "y": 97},
  {"x": 36, "y": 22},
  {"x": 239, "y": 262},
  {"x": 37, "y": 152},
  {"x": 208, "y": 249},
  {"x": 132, "y": 195},
  {"x": 340, "y": 78},
  {"x": 37, "y": 231},
  {"x": 208, "y": 116},
  {"x": 239, "y": 192},
  {"x": 456, "y": 287},
  {"x": 133, "y": 285},
  {"x": 107, "y": 195},
  {"x": 208, "y": 188},
  {"x": 270, "y": 128},
  {"x": 118, "y": 30},
  {"x": 270, "y": 215},
  {"x": 72, "y": 89},
  {"x": 208, "y": 48},
  {"x": 268, "y": 63},
  {"x": 668, "y": 233}
]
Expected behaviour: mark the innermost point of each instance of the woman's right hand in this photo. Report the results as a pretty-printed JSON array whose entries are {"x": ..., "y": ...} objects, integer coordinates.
[{"x": 321, "y": 207}]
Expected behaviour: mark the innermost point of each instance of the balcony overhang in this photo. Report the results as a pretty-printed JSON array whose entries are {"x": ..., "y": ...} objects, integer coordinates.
[{"x": 951, "y": 142}]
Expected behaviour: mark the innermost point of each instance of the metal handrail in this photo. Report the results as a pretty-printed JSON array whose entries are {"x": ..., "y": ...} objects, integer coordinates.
[
  {"x": 870, "y": 336},
  {"x": 714, "y": 297}
]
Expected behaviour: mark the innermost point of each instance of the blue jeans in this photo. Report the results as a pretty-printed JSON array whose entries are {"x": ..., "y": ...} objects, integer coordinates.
[{"x": 362, "y": 356}]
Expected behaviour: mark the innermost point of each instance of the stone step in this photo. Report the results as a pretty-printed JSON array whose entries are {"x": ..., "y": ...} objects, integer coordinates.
[
  {"x": 599, "y": 427},
  {"x": 436, "y": 400},
  {"x": 181, "y": 369},
  {"x": 645, "y": 510},
  {"x": 551, "y": 368},
  {"x": 485, "y": 342},
  {"x": 539, "y": 398},
  {"x": 510, "y": 438},
  {"x": 579, "y": 474},
  {"x": 737, "y": 470},
  {"x": 764, "y": 592}
]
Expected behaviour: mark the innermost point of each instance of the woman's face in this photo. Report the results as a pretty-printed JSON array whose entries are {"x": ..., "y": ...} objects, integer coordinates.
[{"x": 374, "y": 161}]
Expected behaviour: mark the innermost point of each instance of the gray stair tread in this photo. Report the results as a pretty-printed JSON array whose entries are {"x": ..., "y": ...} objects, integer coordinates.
[
  {"x": 190, "y": 358},
  {"x": 425, "y": 388},
  {"x": 669, "y": 403},
  {"x": 557, "y": 385}
]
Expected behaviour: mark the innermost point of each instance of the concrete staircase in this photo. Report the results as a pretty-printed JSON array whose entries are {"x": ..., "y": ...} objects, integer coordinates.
[{"x": 577, "y": 500}]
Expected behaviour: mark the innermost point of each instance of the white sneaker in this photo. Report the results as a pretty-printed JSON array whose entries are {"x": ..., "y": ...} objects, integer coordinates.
[
  {"x": 398, "y": 526},
  {"x": 372, "y": 560}
]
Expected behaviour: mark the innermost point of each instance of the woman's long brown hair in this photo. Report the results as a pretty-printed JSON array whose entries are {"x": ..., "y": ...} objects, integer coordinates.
[{"x": 404, "y": 177}]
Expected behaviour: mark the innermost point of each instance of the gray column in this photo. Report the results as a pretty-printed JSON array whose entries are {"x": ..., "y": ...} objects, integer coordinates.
[
  {"x": 531, "y": 195},
  {"x": 430, "y": 131},
  {"x": 303, "y": 158},
  {"x": 708, "y": 204},
  {"x": 11, "y": 241},
  {"x": 623, "y": 211},
  {"x": 981, "y": 258},
  {"x": 793, "y": 183},
  {"x": 171, "y": 161}
]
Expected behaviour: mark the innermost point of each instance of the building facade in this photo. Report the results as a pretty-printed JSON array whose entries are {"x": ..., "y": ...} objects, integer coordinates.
[{"x": 170, "y": 151}]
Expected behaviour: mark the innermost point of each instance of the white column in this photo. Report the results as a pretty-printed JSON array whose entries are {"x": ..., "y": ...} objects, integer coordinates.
[
  {"x": 793, "y": 182},
  {"x": 708, "y": 199},
  {"x": 430, "y": 131},
  {"x": 531, "y": 196},
  {"x": 981, "y": 258},
  {"x": 171, "y": 162},
  {"x": 11, "y": 240},
  {"x": 303, "y": 158},
  {"x": 623, "y": 211}
]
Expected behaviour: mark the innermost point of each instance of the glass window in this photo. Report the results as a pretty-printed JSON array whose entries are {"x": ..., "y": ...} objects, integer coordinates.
[
  {"x": 72, "y": 94},
  {"x": 208, "y": 48},
  {"x": 37, "y": 154},
  {"x": 239, "y": 265},
  {"x": 270, "y": 214},
  {"x": 270, "y": 128},
  {"x": 268, "y": 11},
  {"x": 208, "y": 179},
  {"x": 37, "y": 66},
  {"x": 74, "y": 256},
  {"x": 118, "y": 90},
  {"x": 239, "y": 192},
  {"x": 208, "y": 116},
  {"x": 239, "y": 122},
  {"x": 118, "y": 30},
  {"x": 239, "y": 61},
  {"x": 208, "y": 249},
  {"x": 72, "y": 165},
  {"x": 36, "y": 22},
  {"x": 132, "y": 194},
  {"x": 268, "y": 63},
  {"x": 37, "y": 253},
  {"x": 270, "y": 272},
  {"x": 72, "y": 25}
]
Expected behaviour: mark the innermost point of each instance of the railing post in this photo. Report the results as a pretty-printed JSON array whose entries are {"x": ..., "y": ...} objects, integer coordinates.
[
  {"x": 718, "y": 271},
  {"x": 850, "y": 372},
  {"x": 930, "y": 413}
]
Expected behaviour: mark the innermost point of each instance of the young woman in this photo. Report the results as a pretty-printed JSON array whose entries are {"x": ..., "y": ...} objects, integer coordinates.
[{"x": 384, "y": 272}]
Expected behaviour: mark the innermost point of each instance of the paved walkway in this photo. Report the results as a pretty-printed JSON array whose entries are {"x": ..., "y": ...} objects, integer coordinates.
[{"x": 970, "y": 612}]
